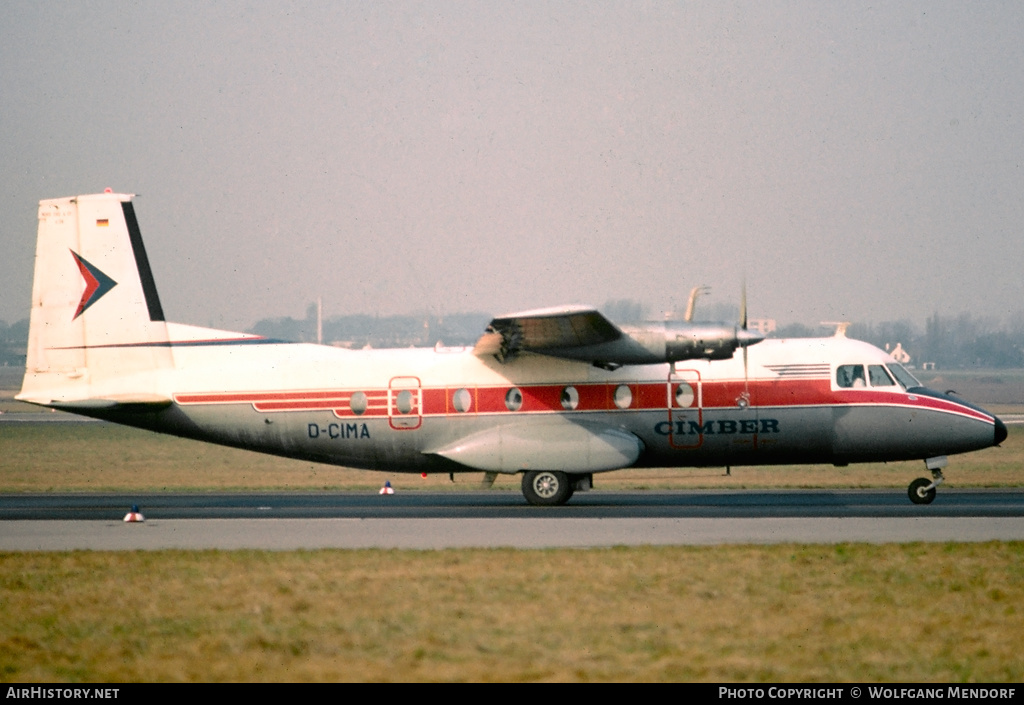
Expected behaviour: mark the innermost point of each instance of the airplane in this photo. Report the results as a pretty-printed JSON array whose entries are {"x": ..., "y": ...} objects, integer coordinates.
[{"x": 558, "y": 394}]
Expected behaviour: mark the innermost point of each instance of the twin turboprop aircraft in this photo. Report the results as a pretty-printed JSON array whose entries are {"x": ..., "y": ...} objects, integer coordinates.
[{"x": 555, "y": 394}]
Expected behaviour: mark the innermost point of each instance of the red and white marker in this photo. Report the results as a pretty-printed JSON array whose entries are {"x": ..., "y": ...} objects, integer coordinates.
[
  {"x": 386, "y": 489},
  {"x": 134, "y": 516}
]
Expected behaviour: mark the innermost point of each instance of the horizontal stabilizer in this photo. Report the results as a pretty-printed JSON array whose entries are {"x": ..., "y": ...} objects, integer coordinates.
[{"x": 134, "y": 402}]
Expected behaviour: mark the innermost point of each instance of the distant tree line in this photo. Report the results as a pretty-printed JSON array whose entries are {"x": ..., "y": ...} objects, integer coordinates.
[
  {"x": 961, "y": 341},
  {"x": 13, "y": 343},
  {"x": 361, "y": 330},
  {"x": 948, "y": 342}
]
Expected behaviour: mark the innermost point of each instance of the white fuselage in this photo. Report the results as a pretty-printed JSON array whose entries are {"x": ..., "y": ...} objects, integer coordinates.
[{"x": 395, "y": 409}]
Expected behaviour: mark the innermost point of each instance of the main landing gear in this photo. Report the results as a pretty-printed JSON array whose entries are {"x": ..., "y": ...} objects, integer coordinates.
[
  {"x": 922, "y": 490},
  {"x": 551, "y": 488},
  {"x": 546, "y": 488}
]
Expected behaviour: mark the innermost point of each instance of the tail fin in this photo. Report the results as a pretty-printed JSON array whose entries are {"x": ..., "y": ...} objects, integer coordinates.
[{"x": 97, "y": 335}]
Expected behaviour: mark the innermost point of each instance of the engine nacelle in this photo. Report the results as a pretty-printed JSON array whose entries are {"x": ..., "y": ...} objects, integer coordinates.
[
  {"x": 582, "y": 333},
  {"x": 673, "y": 341}
]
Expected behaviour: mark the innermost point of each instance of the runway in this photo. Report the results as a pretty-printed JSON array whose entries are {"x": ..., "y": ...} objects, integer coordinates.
[{"x": 421, "y": 520}]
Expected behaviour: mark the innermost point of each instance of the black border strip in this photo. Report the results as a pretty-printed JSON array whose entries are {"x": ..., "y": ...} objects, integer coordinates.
[{"x": 156, "y": 311}]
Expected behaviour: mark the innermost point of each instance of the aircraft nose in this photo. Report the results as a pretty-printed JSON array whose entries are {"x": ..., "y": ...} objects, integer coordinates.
[{"x": 1001, "y": 432}]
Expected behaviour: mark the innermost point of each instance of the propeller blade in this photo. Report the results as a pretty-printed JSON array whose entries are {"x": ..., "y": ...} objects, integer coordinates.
[
  {"x": 746, "y": 375},
  {"x": 743, "y": 305},
  {"x": 744, "y": 334}
]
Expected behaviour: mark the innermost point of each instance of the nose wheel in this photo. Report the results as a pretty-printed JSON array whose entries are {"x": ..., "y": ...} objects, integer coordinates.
[{"x": 922, "y": 490}]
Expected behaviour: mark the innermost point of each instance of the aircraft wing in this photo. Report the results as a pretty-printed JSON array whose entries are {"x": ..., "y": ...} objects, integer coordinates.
[{"x": 572, "y": 332}]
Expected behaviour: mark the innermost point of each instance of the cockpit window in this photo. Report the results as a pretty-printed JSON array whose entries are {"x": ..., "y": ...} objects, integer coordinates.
[
  {"x": 905, "y": 379},
  {"x": 879, "y": 377},
  {"x": 848, "y": 376}
]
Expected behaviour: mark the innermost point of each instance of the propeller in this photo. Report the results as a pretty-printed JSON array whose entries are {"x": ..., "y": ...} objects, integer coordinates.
[{"x": 744, "y": 338}]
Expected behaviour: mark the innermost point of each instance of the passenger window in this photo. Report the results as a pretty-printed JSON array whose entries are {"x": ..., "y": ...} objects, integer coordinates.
[
  {"x": 848, "y": 376},
  {"x": 358, "y": 403},
  {"x": 623, "y": 396},
  {"x": 570, "y": 398},
  {"x": 879, "y": 377},
  {"x": 462, "y": 400},
  {"x": 513, "y": 399},
  {"x": 404, "y": 402}
]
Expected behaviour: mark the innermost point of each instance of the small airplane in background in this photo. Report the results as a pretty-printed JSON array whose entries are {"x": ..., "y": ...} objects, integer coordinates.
[{"x": 557, "y": 394}]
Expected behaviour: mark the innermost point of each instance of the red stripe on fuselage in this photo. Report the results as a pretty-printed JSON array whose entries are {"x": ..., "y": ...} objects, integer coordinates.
[{"x": 547, "y": 398}]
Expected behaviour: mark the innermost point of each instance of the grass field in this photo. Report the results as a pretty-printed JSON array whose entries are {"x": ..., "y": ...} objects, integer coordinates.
[{"x": 911, "y": 613}]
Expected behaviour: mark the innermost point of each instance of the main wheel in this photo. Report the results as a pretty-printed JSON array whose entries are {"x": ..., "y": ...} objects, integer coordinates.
[
  {"x": 546, "y": 488},
  {"x": 917, "y": 492}
]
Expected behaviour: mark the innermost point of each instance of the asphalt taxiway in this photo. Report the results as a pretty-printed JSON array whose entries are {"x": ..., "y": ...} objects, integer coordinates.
[{"x": 424, "y": 520}]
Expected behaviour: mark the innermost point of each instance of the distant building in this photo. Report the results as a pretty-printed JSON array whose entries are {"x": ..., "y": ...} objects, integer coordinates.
[
  {"x": 764, "y": 326},
  {"x": 898, "y": 353}
]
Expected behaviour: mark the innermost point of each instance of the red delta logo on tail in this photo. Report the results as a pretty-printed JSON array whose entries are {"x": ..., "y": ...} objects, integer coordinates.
[{"x": 97, "y": 284}]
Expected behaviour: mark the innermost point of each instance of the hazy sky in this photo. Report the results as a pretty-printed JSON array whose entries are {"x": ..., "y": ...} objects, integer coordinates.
[{"x": 853, "y": 161}]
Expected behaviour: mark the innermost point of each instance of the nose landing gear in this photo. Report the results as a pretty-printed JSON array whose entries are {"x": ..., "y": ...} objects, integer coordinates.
[{"x": 922, "y": 490}]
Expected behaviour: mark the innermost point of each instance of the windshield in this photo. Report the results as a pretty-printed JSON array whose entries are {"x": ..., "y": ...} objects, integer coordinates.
[
  {"x": 905, "y": 379},
  {"x": 879, "y": 377}
]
